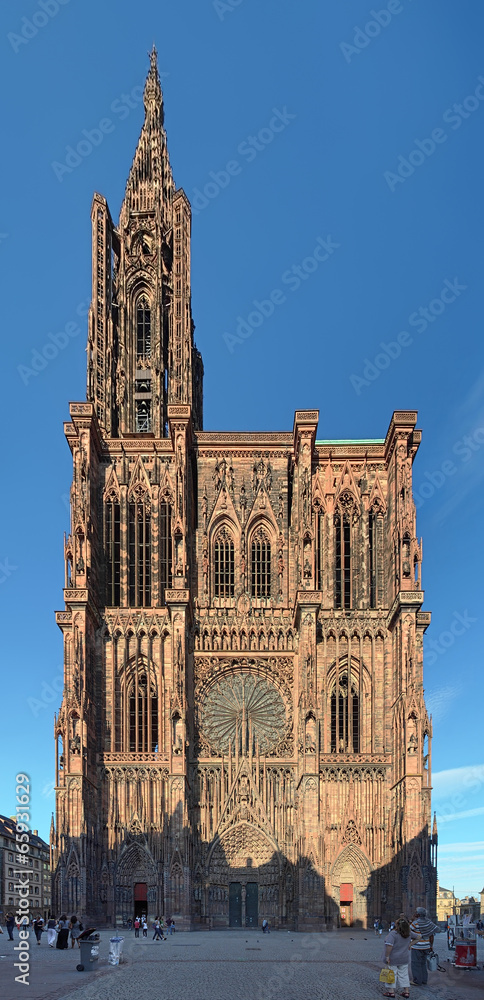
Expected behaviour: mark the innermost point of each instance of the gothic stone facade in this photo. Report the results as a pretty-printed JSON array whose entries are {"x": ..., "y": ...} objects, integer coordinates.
[{"x": 243, "y": 732}]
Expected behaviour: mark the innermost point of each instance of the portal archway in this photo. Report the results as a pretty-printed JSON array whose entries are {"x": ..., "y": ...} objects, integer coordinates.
[
  {"x": 137, "y": 887},
  {"x": 244, "y": 872},
  {"x": 350, "y": 879}
]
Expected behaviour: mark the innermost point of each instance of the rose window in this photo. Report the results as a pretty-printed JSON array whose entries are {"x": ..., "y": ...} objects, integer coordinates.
[{"x": 246, "y": 709}]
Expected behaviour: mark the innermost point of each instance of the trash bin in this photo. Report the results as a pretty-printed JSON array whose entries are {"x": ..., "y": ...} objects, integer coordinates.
[
  {"x": 115, "y": 950},
  {"x": 89, "y": 948}
]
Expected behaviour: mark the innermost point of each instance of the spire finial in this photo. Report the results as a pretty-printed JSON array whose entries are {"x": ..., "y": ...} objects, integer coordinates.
[{"x": 153, "y": 97}]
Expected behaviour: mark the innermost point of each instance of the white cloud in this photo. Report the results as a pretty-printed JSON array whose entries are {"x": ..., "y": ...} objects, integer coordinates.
[
  {"x": 439, "y": 701},
  {"x": 465, "y": 814},
  {"x": 458, "y": 780},
  {"x": 462, "y": 848}
]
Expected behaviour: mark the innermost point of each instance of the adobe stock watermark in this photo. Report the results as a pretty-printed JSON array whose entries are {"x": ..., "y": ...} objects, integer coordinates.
[
  {"x": 3, "y": 237},
  {"x": 460, "y": 624},
  {"x": 293, "y": 277},
  {"x": 47, "y": 9},
  {"x": 49, "y": 693},
  {"x": 56, "y": 342},
  {"x": 465, "y": 448},
  {"x": 249, "y": 149},
  {"x": 22, "y": 871},
  {"x": 421, "y": 319},
  {"x": 223, "y": 7},
  {"x": 362, "y": 37},
  {"x": 6, "y": 570},
  {"x": 453, "y": 116},
  {"x": 122, "y": 106}
]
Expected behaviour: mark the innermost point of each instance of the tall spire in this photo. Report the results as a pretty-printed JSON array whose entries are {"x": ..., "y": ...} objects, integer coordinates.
[{"x": 150, "y": 183}]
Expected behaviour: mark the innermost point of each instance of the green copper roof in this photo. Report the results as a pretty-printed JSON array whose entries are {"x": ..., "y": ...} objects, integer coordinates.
[{"x": 355, "y": 441}]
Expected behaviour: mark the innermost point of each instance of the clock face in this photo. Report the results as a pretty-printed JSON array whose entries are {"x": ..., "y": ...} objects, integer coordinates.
[{"x": 242, "y": 701}]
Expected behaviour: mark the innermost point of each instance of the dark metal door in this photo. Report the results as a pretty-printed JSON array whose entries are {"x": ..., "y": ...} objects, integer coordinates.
[
  {"x": 251, "y": 904},
  {"x": 235, "y": 904}
]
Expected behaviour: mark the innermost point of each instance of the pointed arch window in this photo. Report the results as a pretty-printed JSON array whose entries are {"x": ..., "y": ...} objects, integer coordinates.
[
  {"x": 319, "y": 546},
  {"x": 261, "y": 564},
  {"x": 139, "y": 546},
  {"x": 165, "y": 545},
  {"x": 142, "y": 715},
  {"x": 345, "y": 734},
  {"x": 375, "y": 544},
  {"x": 143, "y": 328},
  {"x": 224, "y": 564},
  {"x": 343, "y": 526},
  {"x": 112, "y": 550}
]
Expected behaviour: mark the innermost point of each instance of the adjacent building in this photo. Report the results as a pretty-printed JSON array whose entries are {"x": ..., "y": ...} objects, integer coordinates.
[
  {"x": 243, "y": 732},
  {"x": 38, "y": 870}
]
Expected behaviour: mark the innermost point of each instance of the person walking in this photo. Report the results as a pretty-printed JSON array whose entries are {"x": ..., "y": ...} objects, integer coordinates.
[
  {"x": 75, "y": 929},
  {"x": 144, "y": 926},
  {"x": 397, "y": 945},
  {"x": 157, "y": 936},
  {"x": 63, "y": 933},
  {"x": 10, "y": 924},
  {"x": 38, "y": 928},
  {"x": 51, "y": 932},
  {"x": 137, "y": 924},
  {"x": 420, "y": 949},
  {"x": 265, "y": 926}
]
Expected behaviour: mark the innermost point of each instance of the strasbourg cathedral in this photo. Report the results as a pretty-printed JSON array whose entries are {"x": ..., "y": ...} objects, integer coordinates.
[{"x": 243, "y": 733}]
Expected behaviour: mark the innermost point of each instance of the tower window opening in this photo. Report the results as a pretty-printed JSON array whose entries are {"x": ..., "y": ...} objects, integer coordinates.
[
  {"x": 143, "y": 416},
  {"x": 143, "y": 329},
  {"x": 139, "y": 554},
  {"x": 345, "y": 733}
]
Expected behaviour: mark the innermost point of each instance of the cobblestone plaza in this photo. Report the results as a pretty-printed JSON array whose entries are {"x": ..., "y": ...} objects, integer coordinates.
[{"x": 231, "y": 965}]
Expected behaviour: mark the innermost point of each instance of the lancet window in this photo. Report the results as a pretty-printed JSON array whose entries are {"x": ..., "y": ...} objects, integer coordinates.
[
  {"x": 112, "y": 549},
  {"x": 224, "y": 564},
  {"x": 142, "y": 715},
  {"x": 165, "y": 545},
  {"x": 343, "y": 528},
  {"x": 261, "y": 563},
  {"x": 345, "y": 727},
  {"x": 143, "y": 328},
  {"x": 319, "y": 547},
  {"x": 139, "y": 542},
  {"x": 375, "y": 543}
]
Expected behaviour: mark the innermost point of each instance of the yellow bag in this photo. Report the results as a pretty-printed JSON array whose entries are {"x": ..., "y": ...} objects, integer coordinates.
[{"x": 387, "y": 975}]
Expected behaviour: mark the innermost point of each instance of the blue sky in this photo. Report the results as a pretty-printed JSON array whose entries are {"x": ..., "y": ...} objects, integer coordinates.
[{"x": 370, "y": 141}]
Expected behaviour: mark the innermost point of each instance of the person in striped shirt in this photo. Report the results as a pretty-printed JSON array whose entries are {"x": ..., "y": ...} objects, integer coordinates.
[{"x": 420, "y": 949}]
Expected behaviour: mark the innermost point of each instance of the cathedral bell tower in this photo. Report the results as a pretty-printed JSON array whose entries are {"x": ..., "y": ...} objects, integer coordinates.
[{"x": 141, "y": 354}]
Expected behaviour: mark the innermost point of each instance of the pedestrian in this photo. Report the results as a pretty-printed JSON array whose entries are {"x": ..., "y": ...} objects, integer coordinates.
[
  {"x": 144, "y": 926},
  {"x": 75, "y": 929},
  {"x": 51, "y": 932},
  {"x": 10, "y": 924},
  {"x": 62, "y": 933},
  {"x": 265, "y": 926},
  {"x": 157, "y": 936},
  {"x": 375, "y": 927},
  {"x": 397, "y": 945},
  {"x": 380, "y": 927},
  {"x": 162, "y": 927},
  {"x": 38, "y": 928},
  {"x": 137, "y": 923},
  {"x": 170, "y": 925},
  {"x": 420, "y": 949}
]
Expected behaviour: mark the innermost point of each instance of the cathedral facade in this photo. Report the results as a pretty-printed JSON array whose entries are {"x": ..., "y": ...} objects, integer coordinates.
[{"x": 243, "y": 731}]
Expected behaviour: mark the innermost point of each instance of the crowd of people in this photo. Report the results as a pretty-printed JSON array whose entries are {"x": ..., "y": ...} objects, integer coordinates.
[
  {"x": 59, "y": 932},
  {"x": 159, "y": 927}
]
